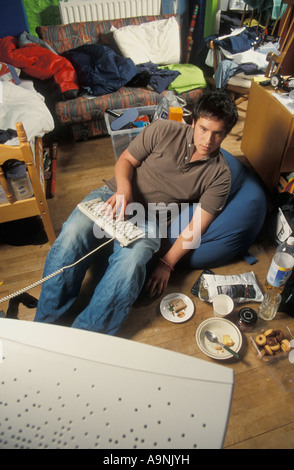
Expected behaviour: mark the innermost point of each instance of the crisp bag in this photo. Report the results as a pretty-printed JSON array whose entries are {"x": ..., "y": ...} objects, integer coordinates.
[{"x": 240, "y": 287}]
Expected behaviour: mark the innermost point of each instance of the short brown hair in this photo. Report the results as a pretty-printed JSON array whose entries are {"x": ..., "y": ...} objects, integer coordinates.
[{"x": 216, "y": 105}]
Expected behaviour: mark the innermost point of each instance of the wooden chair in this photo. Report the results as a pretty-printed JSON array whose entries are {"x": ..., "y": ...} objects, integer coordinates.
[
  {"x": 275, "y": 61},
  {"x": 37, "y": 204}
]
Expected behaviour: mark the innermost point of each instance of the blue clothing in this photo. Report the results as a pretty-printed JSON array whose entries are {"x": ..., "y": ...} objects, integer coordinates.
[
  {"x": 225, "y": 70},
  {"x": 117, "y": 290},
  {"x": 27, "y": 38},
  {"x": 158, "y": 78},
  {"x": 240, "y": 42},
  {"x": 99, "y": 69}
]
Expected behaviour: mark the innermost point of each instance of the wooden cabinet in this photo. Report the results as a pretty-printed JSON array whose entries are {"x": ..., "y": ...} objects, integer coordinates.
[{"x": 268, "y": 141}]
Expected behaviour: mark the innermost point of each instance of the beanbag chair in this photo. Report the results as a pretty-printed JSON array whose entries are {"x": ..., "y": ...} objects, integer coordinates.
[{"x": 236, "y": 228}]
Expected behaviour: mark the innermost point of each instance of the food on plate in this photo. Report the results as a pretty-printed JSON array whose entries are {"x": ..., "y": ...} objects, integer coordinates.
[
  {"x": 181, "y": 314},
  {"x": 178, "y": 305},
  {"x": 227, "y": 341}
]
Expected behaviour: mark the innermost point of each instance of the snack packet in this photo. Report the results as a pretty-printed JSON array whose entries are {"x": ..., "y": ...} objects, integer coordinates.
[{"x": 240, "y": 287}]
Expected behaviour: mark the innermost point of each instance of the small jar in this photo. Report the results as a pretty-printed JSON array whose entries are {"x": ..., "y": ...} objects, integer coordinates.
[{"x": 246, "y": 319}]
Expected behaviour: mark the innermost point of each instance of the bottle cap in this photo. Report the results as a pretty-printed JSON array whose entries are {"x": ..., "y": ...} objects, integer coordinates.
[
  {"x": 290, "y": 241},
  {"x": 248, "y": 316}
]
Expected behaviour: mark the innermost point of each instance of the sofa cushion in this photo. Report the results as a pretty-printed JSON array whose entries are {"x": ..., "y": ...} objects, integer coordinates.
[
  {"x": 107, "y": 39},
  {"x": 63, "y": 37},
  {"x": 155, "y": 41}
]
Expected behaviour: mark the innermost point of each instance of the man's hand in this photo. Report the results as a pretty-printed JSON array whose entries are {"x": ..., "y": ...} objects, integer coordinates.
[
  {"x": 158, "y": 281},
  {"x": 189, "y": 236},
  {"x": 116, "y": 205}
]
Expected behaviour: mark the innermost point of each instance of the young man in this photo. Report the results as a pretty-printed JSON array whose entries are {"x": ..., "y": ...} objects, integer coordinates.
[{"x": 168, "y": 162}]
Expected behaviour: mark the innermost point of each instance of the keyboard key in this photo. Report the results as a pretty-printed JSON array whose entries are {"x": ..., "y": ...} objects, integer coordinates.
[{"x": 124, "y": 231}]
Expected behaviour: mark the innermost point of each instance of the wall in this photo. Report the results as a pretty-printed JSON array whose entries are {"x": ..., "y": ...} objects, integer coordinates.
[
  {"x": 45, "y": 12},
  {"x": 181, "y": 7},
  {"x": 13, "y": 18},
  {"x": 41, "y": 12},
  {"x": 19, "y": 15}
]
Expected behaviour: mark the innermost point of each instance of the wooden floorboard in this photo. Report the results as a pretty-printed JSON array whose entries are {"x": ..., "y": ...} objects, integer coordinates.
[{"x": 262, "y": 413}]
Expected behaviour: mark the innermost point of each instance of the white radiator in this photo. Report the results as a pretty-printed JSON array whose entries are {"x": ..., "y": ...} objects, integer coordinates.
[{"x": 75, "y": 11}]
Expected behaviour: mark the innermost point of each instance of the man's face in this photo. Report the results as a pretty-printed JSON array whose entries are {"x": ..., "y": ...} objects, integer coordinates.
[{"x": 208, "y": 135}]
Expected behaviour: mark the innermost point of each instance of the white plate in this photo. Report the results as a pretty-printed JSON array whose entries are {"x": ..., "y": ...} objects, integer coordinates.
[
  {"x": 220, "y": 327},
  {"x": 168, "y": 313}
]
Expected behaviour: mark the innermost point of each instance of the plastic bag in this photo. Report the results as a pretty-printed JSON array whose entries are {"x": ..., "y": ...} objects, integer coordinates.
[
  {"x": 240, "y": 287},
  {"x": 281, "y": 220},
  {"x": 167, "y": 101}
]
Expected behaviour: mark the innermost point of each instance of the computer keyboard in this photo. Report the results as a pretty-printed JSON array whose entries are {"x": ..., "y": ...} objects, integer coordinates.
[{"x": 124, "y": 231}]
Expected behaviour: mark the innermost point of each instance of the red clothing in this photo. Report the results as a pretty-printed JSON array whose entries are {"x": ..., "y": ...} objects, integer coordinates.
[{"x": 39, "y": 62}]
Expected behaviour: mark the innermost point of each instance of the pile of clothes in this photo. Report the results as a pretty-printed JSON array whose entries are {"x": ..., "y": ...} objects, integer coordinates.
[
  {"x": 35, "y": 57},
  {"x": 92, "y": 69},
  {"x": 244, "y": 51}
]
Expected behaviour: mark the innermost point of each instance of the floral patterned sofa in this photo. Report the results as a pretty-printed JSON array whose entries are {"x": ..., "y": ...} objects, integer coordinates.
[{"x": 86, "y": 114}]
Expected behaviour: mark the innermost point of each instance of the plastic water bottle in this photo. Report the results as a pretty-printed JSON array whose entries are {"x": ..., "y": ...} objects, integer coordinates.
[{"x": 281, "y": 266}]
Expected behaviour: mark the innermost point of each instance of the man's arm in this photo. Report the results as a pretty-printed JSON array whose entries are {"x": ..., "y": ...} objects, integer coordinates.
[
  {"x": 123, "y": 171},
  {"x": 189, "y": 239}
]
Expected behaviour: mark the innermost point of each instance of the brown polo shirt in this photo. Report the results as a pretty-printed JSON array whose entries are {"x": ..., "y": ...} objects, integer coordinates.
[{"x": 166, "y": 175}]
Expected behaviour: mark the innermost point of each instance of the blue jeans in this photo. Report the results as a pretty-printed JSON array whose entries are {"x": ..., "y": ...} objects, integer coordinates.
[{"x": 117, "y": 290}]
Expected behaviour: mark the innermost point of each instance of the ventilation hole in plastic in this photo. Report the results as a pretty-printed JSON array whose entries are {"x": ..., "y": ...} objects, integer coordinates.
[{"x": 53, "y": 405}]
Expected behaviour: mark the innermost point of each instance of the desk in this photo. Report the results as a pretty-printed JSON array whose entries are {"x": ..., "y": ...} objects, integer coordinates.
[{"x": 268, "y": 141}]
